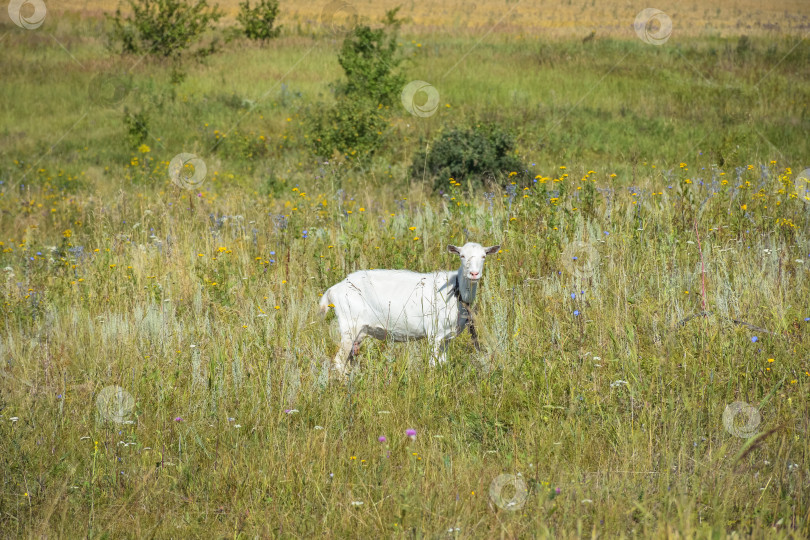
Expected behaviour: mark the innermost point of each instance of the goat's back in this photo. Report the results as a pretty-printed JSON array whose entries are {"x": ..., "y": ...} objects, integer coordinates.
[{"x": 401, "y": 303}]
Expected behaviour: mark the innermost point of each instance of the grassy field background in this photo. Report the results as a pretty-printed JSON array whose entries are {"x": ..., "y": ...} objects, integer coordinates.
[
  {"x": 645, "y": 328},
  {"x": 538, "y": 18}
]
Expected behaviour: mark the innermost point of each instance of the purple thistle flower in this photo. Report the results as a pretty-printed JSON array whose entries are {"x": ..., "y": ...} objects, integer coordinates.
[
  {"x": 382, "y": 438},
  {"x": 178, "y": 419},
  {"x": 411, "y": 433}
]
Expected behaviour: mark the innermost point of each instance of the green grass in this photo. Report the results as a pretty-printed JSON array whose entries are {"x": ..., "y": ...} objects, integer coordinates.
[{"x": 110, "y": 275}]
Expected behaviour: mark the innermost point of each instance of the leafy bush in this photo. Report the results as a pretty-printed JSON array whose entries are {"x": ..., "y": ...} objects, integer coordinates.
[
  {"x": 257, "y": 22},
  {"x": 164, "y": 27},
  {"x": 137, "y": 124},
  {"x": 474, "y": 154},
  {"x": 352, "y": 126},
  {"x": 370, "y": 59}
]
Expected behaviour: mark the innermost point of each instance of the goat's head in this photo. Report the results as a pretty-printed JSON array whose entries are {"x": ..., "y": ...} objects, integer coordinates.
[{"x": 472, "y": 258}]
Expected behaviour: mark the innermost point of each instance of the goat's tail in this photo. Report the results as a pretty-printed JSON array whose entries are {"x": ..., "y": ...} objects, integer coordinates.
[{"x": 325, "y": 302}]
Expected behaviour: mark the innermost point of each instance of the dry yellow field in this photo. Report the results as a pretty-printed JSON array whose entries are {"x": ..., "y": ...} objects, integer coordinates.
[{"x": 541, "y": 17}]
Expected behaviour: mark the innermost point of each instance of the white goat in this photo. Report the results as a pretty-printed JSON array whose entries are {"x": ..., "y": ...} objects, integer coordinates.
[{"x": 401, "y": 305}]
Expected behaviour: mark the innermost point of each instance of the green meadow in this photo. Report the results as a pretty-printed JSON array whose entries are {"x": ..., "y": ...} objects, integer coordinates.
[{"x": 645, "y": 328}]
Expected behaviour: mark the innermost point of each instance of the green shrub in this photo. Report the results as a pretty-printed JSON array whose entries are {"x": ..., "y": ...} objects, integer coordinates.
[
  {"x": 164, "y": 28},
  {"x": 355, "y": 123},
  {"x": 137, "y": 124},
  {"x": 257, "y": 23},
  {"x": 352, "y": 126},
  {"x": 370, "y": 59},
  {"x": 472, "y": 155}
]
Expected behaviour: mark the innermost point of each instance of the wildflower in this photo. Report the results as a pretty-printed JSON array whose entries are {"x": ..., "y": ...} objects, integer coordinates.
[
  {"x": 411, "y": 433},
  {"x": 754, "y": 339},
  {"x": 178, "y": 419},
  {"x": 143, "y": 149},
  {"x": 576, "y": 313},
  {"x": 382, "y": 438}
]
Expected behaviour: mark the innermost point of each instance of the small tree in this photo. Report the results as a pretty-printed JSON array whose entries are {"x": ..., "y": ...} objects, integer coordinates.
[
  {"x": 257, "y": 23},
  {"x": 163, "y": 27},
  {"x": 355, "y": 125},
  {"x": 369, "y": 58}
]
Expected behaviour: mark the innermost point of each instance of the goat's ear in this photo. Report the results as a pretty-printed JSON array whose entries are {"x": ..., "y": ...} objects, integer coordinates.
[
  {"x": 492, "y": 250},
  {"x": 453, "y": 249}
]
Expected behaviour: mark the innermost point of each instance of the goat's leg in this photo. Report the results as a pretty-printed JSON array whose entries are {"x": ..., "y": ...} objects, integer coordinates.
[
  {"x": 343, "y": 356},
  {"x": 439, "y": 355},
  {"x": 349, "y": 348},
  {"x": 356, "y": 342}
]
